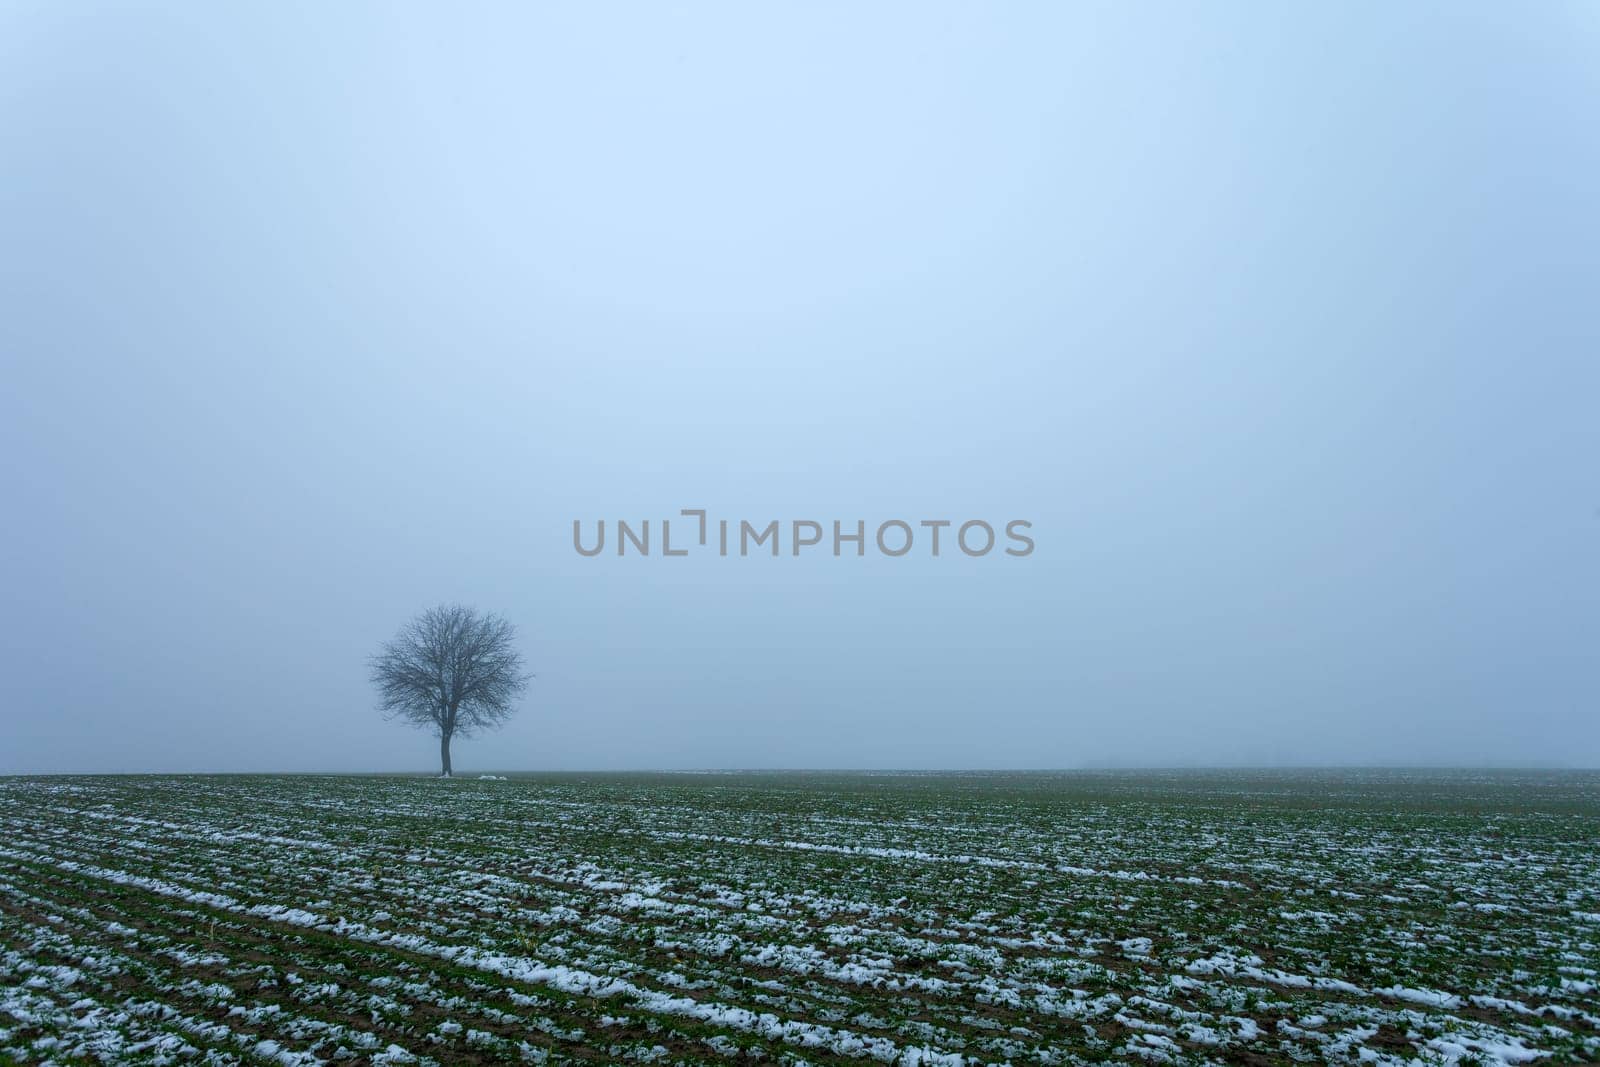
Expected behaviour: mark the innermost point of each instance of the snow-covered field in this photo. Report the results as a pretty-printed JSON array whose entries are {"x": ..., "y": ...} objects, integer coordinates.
[{"x": 1222, "y": 917}]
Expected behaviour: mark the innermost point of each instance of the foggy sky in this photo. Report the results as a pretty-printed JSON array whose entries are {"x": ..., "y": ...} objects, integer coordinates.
[{"x": 1280, "y": 324}]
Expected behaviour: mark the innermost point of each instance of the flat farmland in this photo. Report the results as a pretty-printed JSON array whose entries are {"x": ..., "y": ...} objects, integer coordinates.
[{"x": 1217, "y": 917}]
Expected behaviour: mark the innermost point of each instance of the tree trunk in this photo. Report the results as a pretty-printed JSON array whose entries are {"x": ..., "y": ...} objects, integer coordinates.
[{"x": 444, "y": 754}]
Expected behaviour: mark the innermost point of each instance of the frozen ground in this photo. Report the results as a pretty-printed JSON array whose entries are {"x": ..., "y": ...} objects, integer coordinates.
[{"x": 1163, "y": 918}]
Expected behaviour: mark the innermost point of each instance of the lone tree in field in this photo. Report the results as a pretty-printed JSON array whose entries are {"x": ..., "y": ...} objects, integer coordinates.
[{"x": 452, "y": 671}]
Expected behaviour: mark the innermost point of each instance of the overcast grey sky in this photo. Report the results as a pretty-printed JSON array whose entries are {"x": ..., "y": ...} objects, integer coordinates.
[{"x": 1278, "y": 322}]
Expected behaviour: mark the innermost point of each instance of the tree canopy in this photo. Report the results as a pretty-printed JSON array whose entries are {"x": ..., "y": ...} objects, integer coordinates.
[{"x": 451, "y": 670}]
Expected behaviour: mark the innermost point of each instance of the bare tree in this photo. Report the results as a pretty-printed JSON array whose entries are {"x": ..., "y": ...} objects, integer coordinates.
[{"x": 452, "y": 671}]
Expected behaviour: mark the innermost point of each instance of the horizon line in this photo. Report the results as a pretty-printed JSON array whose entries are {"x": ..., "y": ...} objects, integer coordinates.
[{"x": 1193, "y": 768}]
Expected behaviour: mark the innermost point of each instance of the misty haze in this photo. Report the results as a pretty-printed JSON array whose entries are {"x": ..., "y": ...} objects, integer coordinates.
[{"x": 1292, "y": 368}]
